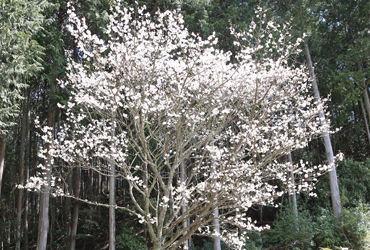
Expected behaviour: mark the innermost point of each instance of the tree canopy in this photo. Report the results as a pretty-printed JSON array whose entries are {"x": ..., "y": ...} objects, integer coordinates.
[
  {"x": 183, "y": 132},
  {"x": 20, "y": 54}
]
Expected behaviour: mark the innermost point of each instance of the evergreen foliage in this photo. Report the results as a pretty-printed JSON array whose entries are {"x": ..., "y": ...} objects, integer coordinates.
[
  {"x": 20, "y": 54},
  {"x": 290, "y": 232}
]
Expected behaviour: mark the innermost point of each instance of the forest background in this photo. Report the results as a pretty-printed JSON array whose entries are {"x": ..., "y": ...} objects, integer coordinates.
[{"x": 33, "y": 42}]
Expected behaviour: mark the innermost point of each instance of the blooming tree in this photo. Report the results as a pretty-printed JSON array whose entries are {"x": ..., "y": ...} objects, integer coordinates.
[{"x": 189, "y": 131}]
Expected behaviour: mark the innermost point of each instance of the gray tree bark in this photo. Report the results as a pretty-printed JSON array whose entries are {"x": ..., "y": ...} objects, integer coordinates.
[
  {"x": 216, "y": 221},
  {"x": 27, "y": 172},
  {"x": 216, "y": 225},
  {"x": 20, "y": 176},
  {"x": 184, "y": 206},
  {"x": 293, "y": 195},
  {"x": 45, "y": 194},
  {"x": 112, "y": 203},
  {"x": 334, "y": 187},
  {"x": 44, "y": 209},
  {"x": 366, "y": 100},
  {"x": 365, "y": 120},
  {"x": 364, "y": 91},
  {"x": 112, "y": 216}
]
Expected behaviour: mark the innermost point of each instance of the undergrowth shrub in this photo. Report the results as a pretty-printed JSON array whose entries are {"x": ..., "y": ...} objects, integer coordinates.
[
  {"x": 352, "y": 230},
  {"x": 207, "y": 245},
  {"x": 355, "y": 227},
  {"x": 254, "y": 241},
  {"x": 327, "y": 229},
  {"x": 354, "y": 178},
  {"x": 290, "y": 232},
  {"x": 128, "y": 240}
]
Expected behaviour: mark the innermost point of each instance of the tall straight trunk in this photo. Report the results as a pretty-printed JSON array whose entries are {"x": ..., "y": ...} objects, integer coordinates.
[
  {"x": 20, "y": 176},
  {"x": 146, "y": 183},
  {"x": 13, "y": 179},
  {"x": 34, "y": 196},
  {"x": 2, "y": 157},
  {"x": 365, "y": 120},
  {"x": 76, "y": 191},
  {"x": 45, "y": 194},
  {"x": 334, "y": 187},
  {"x": 44, "y": 207},
  {"x": 216, "y": 225},
  {"x": 366, "y": 100},
  {"x": 216, "y": 221},
  {"x": 364, "y": 91},
  {"x": 27, "y": 172},
  {"x": 184, "y": 206},
  {"x": 292, "y": 195},
  {"x": 112, "y": 203}
]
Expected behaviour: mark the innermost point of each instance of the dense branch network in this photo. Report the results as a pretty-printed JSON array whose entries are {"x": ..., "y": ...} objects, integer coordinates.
[{"x": 172, "y": 99}]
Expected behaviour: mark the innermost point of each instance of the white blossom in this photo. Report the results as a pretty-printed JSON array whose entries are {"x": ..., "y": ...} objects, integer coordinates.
[{"x": 162, "y": 98}]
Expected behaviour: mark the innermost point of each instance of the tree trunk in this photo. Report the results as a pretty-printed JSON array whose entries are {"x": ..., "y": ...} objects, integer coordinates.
[
  {"x": 365, "y": 120},
  {"x": 364, "y": 91},
  {"x": 45, "y": 194},
  {"x": 76, "y": 189},
  {"x": 216, "y": 221},
  {"x": 184, "y": 206},
  {"x": 112, "y": 218},
  {"x": 292, "y": 195},
  {"x": 334, "y": 187},
  {"x": 146, "y": 183},
  {"x": 27, "y": 172},
  {"x": 112, "y": 203},
  {"x": 20, "y": 176},
  {"x": 44, "y": 209},
  {"x": 366, "y": 101},
  {"x": 216, "y": 225},
  {"x": 34, "y": 195},
  {"x": 2, "y": 157}
]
